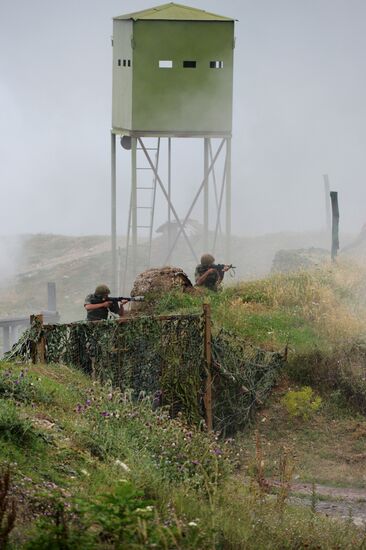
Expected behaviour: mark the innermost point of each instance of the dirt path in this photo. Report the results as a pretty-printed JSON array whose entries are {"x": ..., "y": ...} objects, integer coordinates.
[{"x": 343, "y": 502}]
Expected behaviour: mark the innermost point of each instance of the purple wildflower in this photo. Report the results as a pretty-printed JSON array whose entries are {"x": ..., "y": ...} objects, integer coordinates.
[{"x": 217, "y": 451}]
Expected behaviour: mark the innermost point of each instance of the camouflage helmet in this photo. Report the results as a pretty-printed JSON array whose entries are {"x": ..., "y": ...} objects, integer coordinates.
[
  {"x": 101, "y": 290},
  {"x": 207, "y": 259}
]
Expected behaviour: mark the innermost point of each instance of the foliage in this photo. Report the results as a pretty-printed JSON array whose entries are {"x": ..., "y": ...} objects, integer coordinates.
[
  {"x": 7, "y": 508},
  {"x": 302, "y": 403},
  {"x": 13, "y": 427},
  {"x": 56, "y": 532},
  {"x": 22, "y": 387},
  {"x": 179, "y": 452}
]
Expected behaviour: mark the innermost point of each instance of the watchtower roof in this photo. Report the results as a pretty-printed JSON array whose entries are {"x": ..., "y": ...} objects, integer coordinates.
[{"x": 174, "y": 12}]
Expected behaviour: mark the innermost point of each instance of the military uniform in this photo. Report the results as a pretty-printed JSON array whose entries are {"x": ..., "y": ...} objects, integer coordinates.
[
  {"x": 211, "y": 280},
  {"x": 101, "y": 313}
]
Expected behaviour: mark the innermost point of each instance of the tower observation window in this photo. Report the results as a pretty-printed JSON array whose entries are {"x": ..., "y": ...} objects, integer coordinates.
[
  {"x": 216, "y": 64},
  {"x": 165, "y": 64},
  {"x": 189, "y": 64}
]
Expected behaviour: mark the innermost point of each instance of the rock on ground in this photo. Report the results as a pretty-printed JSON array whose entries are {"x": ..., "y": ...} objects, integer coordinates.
[{"x": 159, "y": 280}]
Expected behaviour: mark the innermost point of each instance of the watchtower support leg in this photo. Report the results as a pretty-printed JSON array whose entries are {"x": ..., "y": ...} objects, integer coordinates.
[
  {"x": 169, "y": 190},
  {"x": 113, "y": 213},
  {"x": 134, "y": 203},
  {"x": 228, "y": 201},
  {"x": 205, "y": 195},
  {"x": 183, "y": 225}
]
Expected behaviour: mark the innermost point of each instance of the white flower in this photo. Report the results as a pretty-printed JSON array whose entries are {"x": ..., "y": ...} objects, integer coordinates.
[
  {"x": 85, "y": 473},
  {"x": 122, "y": 465},
  {"x": 192, "y": 524}
]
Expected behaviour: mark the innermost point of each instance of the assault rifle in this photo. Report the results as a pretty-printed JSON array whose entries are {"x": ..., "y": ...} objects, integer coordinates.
[
  {"x": 116, "y": 299},
  {"x": 220, "y": 268}
]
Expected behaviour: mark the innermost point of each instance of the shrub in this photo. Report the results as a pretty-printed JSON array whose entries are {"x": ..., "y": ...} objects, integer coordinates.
[
  {"x": 122, "y": 519},
  {"x": 302, "y": 403}
]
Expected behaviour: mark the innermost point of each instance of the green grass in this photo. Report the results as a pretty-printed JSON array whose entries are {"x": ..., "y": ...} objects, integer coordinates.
[
  {"x": 186, "y": 475},
  {"x": 72, "y": 441}
]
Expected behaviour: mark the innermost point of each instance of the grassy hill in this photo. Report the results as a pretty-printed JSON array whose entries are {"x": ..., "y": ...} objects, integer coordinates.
[
  {"x": 78, "y": 264},
  {"x": 92, "y": 469}
]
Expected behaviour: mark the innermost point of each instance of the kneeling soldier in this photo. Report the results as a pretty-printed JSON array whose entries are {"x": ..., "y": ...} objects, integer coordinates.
[{"x": 98, "y": 306}]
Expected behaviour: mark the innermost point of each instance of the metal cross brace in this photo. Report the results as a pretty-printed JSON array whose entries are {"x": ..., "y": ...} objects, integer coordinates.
[{"x": 181, "y": 226}]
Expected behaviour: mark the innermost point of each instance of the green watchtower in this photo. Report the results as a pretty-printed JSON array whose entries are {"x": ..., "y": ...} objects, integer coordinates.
[
  {"x": 172, "y": 77},
  {"x": 173, "y": 72}
]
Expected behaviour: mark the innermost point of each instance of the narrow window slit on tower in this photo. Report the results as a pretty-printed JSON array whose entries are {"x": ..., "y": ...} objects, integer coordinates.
[
  {"x": 119, "y": 63},
  {"x": 216, "y": 64},
  {"x": 165, "y": 64},
  {"x": 124, "y": 63},
  {"x": 189, "y": 64},
  {"x": 129, "y": 63}
]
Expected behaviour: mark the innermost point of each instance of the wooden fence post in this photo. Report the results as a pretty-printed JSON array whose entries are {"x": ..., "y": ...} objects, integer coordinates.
[
  {"x": 39, "y": 351},
  {"x": 207, "y": 398},
  {"x": 335, "y": 224}
]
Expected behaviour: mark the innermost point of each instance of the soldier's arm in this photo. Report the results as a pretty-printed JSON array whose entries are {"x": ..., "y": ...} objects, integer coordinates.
[
  {"x": 203, "y": 277},
  {"x": 89, "y": 307}
]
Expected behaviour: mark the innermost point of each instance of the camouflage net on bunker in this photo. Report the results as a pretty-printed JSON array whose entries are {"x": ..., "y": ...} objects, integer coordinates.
[
  {"x": 163, "y": 357},
  {"x": 243, "y": 377}
]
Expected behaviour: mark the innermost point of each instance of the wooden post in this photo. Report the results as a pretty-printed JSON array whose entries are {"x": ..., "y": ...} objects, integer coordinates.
[
  {"x": 39, "y": 352},
  {"x": 335, "y": 224},
  {"x": 327, "y": 203},
  {"x": 207, "y": 398}
]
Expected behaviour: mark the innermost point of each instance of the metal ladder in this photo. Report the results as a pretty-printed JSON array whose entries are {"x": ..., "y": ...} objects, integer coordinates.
[{"x": 139, "y": 208}]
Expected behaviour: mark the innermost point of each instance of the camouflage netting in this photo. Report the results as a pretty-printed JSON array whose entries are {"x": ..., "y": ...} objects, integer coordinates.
[
  {"x": 243, "y": 377},
  {"x": 163, "y": 357}
]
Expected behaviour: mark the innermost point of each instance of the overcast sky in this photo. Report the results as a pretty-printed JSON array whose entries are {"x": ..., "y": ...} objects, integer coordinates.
[{"x": 299, "y": 112}]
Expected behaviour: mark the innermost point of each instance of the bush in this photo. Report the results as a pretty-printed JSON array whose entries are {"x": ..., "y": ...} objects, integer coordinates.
[
  {"x": 302, "y": 403},
  {"x": 122, "y": 519}
]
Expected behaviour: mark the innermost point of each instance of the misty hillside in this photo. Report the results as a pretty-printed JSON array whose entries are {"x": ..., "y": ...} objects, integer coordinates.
[{"x": 78, "y": 264}]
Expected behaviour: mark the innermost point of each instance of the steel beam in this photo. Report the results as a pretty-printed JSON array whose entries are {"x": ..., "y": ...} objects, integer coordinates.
[
  {"x": 169, "y": 190},
  {"x": 228, "y": 202},
  {"x": 205, "y": 194},
  {"x": 113, "y": 214},
  {"x": 181, "y": 226},
  {"x": 219, "y": 205},
  {"x": 134, "y": 204}
]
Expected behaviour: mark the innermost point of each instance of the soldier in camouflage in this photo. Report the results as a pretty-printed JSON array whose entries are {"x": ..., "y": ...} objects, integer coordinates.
[
  {"x": 98, "y": 306},
  {"x": 207, "y": 274}
]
